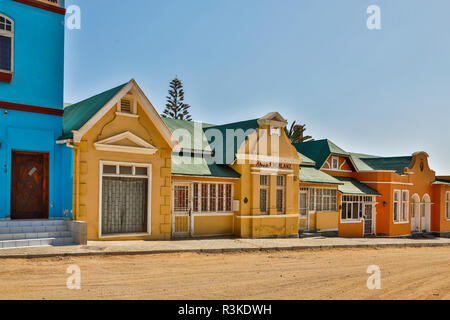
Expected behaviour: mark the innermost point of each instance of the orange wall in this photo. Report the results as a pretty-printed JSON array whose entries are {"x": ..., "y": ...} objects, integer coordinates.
[
  {"x": 414, "y": 179},
  {"x": 439, "y": 222}
]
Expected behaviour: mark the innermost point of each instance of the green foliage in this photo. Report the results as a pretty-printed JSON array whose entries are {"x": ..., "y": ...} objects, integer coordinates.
[
  {"x": 296, "y": 133},
  {"x": 175, "y": 107}
]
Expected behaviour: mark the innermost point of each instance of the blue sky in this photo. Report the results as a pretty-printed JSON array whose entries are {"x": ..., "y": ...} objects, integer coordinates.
[{"x": 383, "y": 92}]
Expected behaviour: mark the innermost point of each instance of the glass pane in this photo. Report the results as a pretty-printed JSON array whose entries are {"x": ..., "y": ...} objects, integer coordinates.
[
  {"x": 196, "y": 197},
  {"x": 126, "y": 170},
  {"x": 107, "y": 169},
  {"x": 140, "y": 171},
  {"x": 5, "y": 53},
  {"x": 263, "y": 200}
]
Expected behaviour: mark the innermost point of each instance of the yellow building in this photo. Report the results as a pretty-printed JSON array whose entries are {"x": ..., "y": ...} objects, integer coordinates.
[
  {"x": 137, "y": 176},
  {"x": 235, "y": 179},
  {"x": 122, "y": 165}
]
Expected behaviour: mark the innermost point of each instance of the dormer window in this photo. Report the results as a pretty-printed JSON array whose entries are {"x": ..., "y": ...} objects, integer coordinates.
[
  {"x": 6, "y": 44},
  {"x": 335, "y": 163}
]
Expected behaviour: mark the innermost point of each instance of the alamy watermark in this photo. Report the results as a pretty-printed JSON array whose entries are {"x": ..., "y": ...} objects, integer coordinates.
[
  {"x": 74, "y": 280},
  {"x": 73, "y": 20},
  {"x": 374, "y": 281},
  {"x": 374, "y": 19}
]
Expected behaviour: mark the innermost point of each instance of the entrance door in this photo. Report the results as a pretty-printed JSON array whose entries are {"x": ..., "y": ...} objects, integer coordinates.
[
  {"x": 29, "y": 185},
  {"x": 182, "y": 211},
  {"x": 415, "y": 215},
  {"x": 368, "y": 220},
  {"x": 303, "y": 208},
  {"x": 426, "y": 208}
]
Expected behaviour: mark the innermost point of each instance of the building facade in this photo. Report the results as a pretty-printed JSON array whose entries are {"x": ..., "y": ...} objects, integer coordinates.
[
  {"x": 383, "y": 196},
  {"x": 138, "y": 176},
  {"x": 35, "y": 175}
]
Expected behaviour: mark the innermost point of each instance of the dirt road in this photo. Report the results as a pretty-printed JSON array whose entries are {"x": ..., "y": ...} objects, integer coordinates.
[{"x": 413, "y": 273}]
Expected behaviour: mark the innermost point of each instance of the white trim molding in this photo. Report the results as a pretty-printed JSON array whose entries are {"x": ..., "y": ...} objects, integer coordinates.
[
  {"x": 147, "y": 107},
  {"x": 134, "y": 175},
  {"x": 143, "y": 146}
]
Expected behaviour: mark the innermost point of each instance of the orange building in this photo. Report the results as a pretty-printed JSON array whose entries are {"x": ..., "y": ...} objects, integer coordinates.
[{"x": 384, "y": 196}]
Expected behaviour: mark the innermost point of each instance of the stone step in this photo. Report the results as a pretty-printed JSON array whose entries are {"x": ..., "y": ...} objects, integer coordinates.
[
  {"x": 25, "y": 243},
  {"x": 33, "y": 229},
  {"x": 30, "y": 223},
  {"x": 34, "y": 235}
]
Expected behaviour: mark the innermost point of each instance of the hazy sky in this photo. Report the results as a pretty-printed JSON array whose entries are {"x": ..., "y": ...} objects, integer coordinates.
[{"x": 383, "y": 92}]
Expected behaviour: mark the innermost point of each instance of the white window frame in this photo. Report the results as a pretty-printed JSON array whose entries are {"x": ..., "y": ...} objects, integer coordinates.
[
  {"x": 267, "y": 189},
  {"x": 208, "y": 211},
  {"x": 399, "y": 206},
  {"x": 9, "y": 34},
  {"x": 281, "y": 188},
  {"x": 333, "y": 159},
  {"x": 355, "y": 199},
  {"x": 404, "y": 206},
  {"x": 312, "y": 192},
  {"x": 133, "y": 175}
]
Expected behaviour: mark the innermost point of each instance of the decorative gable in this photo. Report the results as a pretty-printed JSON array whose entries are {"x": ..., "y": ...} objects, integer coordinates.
[{"x": 125, "y": 142}]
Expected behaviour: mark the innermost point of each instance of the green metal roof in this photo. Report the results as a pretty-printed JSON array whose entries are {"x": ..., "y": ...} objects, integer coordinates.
[
  {"x": 312, "y": 175},
  {"x": 248, "y": 127},
  {"x": 359, "y": 163},
  {"x": 396, "y": 164},
  {"x": 76, "y": 115},
  {"x": 354, "y": 187},
  {"x": 319, "y": 150},
  {"x": 306, "y": 161},
  {"x": 190, "y": 126},
  {"x": 189, "y": 166},
  {"x": 442, "y": 182}
]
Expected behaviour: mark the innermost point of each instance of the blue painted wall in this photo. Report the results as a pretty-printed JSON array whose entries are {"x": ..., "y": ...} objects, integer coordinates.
[{"x": 38, "y": 81}]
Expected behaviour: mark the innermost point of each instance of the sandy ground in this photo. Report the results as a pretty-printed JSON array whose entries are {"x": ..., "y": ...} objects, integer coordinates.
[{"x": 412, "y": 273}]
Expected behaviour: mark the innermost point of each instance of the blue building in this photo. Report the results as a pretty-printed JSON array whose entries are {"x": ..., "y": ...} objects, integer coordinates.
[{"x": 35, "y": 171}]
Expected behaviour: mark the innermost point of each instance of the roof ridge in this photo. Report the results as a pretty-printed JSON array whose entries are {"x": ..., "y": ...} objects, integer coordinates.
[{"x": 94, "y": 96}]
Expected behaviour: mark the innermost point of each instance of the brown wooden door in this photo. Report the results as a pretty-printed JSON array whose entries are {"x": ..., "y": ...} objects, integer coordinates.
[{"x": 29, "y": 185}]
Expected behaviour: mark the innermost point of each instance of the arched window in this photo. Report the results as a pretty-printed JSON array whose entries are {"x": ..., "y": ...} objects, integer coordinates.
[{"x": 6, "y": 44}]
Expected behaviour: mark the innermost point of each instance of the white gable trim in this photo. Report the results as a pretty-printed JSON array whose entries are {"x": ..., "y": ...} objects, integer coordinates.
[
  {"x": 144, "y": 146},
  {"x": 147, "y": 106}
]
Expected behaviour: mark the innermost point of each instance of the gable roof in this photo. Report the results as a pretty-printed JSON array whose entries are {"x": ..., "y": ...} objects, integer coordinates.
[
  {"x": 248, "y": 127},
  {"x": 81, "y": 117},
  {"x": 190, "y": 126},
  {"x": 186, "y": 167},
  {"x": 76, "y": 115},
  {"x": 354, "y": 187},
  {"x": 319, "y": 150},
  {"x": 396, "y": 164},
  {"x": 313, "y": 175},
  {"x": 307, "y": 162},
  {"x": 441, "y": 182}
]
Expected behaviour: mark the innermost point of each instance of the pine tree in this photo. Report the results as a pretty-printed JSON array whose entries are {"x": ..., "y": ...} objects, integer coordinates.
[{"x": 175, "y": 107}]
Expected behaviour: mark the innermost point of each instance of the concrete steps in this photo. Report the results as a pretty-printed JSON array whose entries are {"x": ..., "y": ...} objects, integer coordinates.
[{"x": 34, "y": 233}]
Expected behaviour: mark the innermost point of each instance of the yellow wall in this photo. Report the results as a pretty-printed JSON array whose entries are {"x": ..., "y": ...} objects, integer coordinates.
[
  {"x": 213, "y": 225},
  {"x": 249, "y": 222},
  {"x": 87, "y": 160}
]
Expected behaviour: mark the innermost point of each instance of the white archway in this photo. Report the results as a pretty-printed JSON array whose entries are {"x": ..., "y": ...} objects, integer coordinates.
[
  {"x": 426, "y": 214},
  {"x": 415, "y": 213}
]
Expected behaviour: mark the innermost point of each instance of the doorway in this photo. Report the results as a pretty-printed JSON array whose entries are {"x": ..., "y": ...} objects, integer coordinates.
[
  {"x": 29, "y": 185},
  {"x": 426, "y": 213},
  {"x": 182, "y": 210},
  {"x": 368, "y": 220},
  {"x": 415, "y": 214}
]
